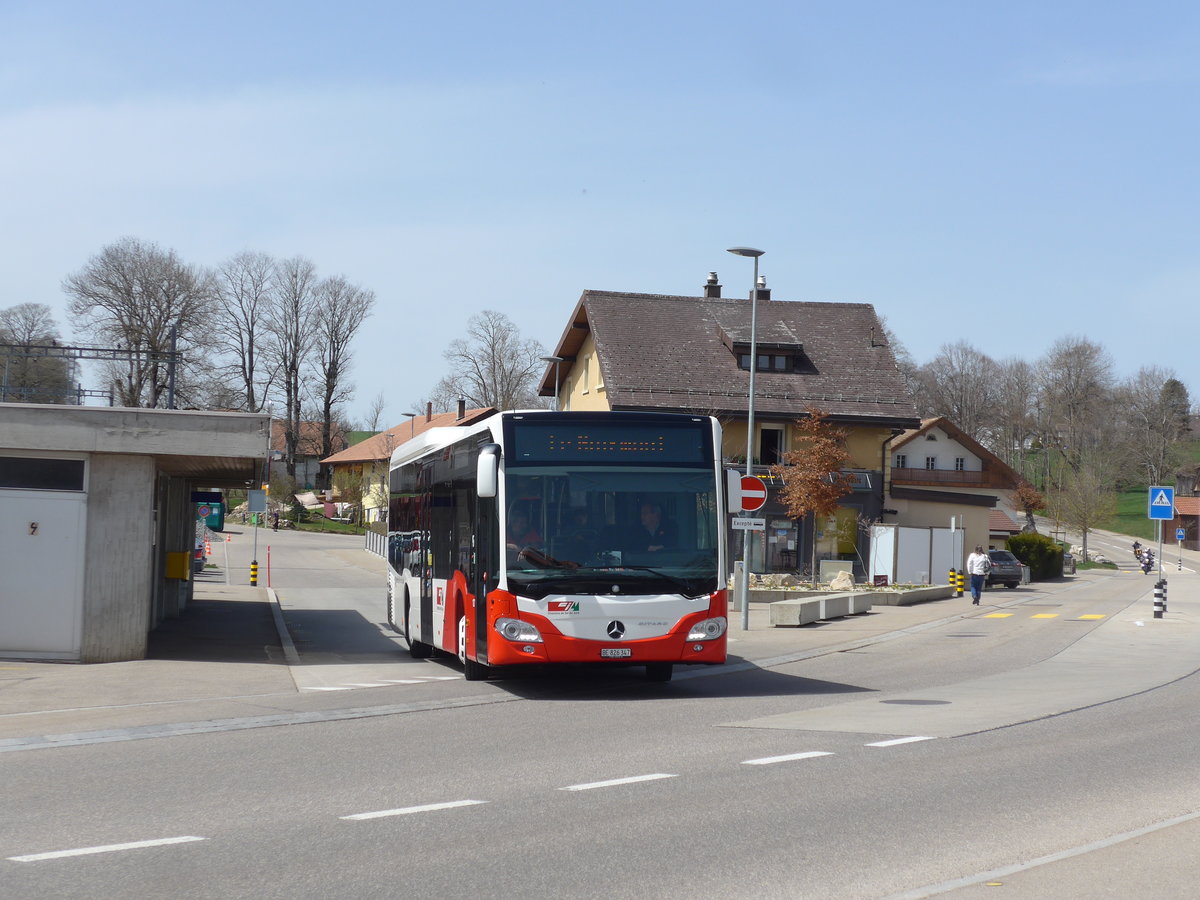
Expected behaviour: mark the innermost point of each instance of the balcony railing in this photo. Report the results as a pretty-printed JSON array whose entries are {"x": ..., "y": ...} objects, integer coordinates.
[{"x": 946, "y": 477}]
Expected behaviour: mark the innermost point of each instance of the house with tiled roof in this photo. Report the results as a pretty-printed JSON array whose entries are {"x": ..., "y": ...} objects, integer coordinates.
[
  {"x": 367, "y": 461},
  {"x": 939, "y": 472},
  {"x": 629, "y": 351}
]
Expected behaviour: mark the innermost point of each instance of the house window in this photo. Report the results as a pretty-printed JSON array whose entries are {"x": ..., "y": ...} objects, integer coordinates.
[
  {"x": 901, "y": 461},
  {"x": 768, "y": 362},
  {"x": 931, "y": 462},
  {"x": 960, "y": 464},
  {"x": 770, "y": 442}
]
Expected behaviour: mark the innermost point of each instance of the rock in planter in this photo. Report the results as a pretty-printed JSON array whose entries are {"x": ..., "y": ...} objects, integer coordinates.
[{"x": 842, "y": 581}]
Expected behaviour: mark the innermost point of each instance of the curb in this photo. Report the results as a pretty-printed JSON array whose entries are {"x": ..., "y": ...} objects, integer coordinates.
[{"x": 285, "y": 639}]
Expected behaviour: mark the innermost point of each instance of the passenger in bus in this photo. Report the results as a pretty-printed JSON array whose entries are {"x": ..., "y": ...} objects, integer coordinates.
[
  {"x": 520, "y": 532},
  {"x": 651, "y": 534}
]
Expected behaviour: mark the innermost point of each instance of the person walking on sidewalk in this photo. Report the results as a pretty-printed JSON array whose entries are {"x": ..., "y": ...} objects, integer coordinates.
[{"x": 978, "y": 566}]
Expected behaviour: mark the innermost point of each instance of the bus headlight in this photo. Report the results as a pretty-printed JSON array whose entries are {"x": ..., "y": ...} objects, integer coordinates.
[
  {"x": 708, "y": 630},
  {"x": 517, "y": 631}
]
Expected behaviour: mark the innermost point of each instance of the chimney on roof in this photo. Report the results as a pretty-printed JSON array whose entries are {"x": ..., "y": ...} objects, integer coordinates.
[
  {"x": 462, "y": 407},
  {"x": 712, "y": 290},
  {"x": 764, "y": 292},
  {"x": 429, "y": 412}
]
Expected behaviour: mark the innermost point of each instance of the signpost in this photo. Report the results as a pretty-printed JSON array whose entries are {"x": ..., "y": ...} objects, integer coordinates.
[{"x": 1160, "y": 506}]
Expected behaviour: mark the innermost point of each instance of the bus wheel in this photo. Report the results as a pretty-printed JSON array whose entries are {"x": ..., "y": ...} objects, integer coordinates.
[
  {"x": 658, "y": 671},
  {"x": 472, "y": 670},
  {"x": 416, "y": 649}
]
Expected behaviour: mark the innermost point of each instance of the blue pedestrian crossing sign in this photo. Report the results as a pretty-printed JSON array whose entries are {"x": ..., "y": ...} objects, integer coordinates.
[
  {"x": 1162, "y": 502},
  {"x": 1179, "y": 534}
]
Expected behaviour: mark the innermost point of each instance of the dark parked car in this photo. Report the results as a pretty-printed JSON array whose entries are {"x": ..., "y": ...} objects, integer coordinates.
[{"x": 1006, "y": 569}]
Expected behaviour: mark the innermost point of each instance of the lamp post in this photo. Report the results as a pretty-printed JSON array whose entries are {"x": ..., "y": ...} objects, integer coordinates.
[
  {"x": 412, "y": 424},
  {"x": 744, "y": 587},
  {"x": 556, "y": 360}
]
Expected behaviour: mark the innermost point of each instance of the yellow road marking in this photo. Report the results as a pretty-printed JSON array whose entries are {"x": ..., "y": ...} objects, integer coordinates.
[
  {"x": 1097, "y": 616},
  {"x": 1045, "y": 616},
  {"x": 997, "y": 615}
]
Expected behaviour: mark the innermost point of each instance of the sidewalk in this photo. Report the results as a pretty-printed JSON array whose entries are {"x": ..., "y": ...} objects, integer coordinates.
[{"x": 224, "y": 658}]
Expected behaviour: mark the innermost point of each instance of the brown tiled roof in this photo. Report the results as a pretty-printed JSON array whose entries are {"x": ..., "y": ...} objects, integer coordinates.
[
  {"x": 667, "y": 352},
  {"x": 999, "y": 520},
  {"x": 380, "y": 446},
  {"x": 1187, "y": 506}
]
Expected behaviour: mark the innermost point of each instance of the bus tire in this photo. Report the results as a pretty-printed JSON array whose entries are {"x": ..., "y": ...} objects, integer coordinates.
[
  {"x": 416, "y": 649},
  {"x": 659, "y": 671}
]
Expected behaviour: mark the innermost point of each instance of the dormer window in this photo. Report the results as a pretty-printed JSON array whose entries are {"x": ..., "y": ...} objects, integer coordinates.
[{"x": 769, "y": 362}]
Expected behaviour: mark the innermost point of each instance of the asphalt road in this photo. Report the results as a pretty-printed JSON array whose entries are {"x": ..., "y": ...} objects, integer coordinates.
[{"x": 586, "y": 785}]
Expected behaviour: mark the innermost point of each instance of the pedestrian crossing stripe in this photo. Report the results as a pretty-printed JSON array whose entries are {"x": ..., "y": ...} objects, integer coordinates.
[
  {"x": 1098, "y": 616},
  {"x": 997, "y": 615},
  {"x": 1045, "y": 616}
]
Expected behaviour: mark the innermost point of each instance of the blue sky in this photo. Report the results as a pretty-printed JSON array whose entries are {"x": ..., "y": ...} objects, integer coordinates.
[{"x": 1006, "y": 174}]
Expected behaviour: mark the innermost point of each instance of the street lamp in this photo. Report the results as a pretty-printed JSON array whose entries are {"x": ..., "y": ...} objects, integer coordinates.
[
  {"x": 412, "y": 424},
  {"x": 556, "y": 360},
  {"x": 745, "y": 580}
]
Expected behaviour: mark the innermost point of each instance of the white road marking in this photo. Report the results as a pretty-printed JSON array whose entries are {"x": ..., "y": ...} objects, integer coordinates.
[
  {"x": 768, "y": 760},
  {"x": 904, "y": 740},
  {"x": 108, "y": 848},
  {"x": 616, "y": 781},
  {"x": 429, "y": 807}
]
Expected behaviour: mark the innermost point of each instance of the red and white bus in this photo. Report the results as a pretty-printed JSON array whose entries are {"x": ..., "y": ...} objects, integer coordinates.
[{"x": 561, "y": 537}]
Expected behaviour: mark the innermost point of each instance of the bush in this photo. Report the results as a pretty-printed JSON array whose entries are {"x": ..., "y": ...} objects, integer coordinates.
[{"x": 1040, "y": 553}]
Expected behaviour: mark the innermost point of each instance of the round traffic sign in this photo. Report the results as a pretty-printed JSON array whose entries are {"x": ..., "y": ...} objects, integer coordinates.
[
  {"x": 204, "y": 511},
  {"x": 754, "y": 492}
]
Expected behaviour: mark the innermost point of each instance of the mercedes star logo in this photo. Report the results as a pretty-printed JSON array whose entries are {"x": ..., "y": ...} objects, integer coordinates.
[{"x": 616, "y": 630}]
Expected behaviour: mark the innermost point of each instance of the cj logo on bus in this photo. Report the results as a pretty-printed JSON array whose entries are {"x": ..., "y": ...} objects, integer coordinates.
[
  {"x": 562, "y": 606},
  {"x": 616, "y": 630}
]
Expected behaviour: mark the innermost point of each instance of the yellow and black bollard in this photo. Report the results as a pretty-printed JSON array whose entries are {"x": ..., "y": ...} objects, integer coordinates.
[
  {"x": 954, "y": 583},
  {"x": 254, "y": 573},
  {"x": 962, "y": 583}
]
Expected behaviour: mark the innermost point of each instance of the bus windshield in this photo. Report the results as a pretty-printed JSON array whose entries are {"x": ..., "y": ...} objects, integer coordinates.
[{"x": 606, "y": 530}]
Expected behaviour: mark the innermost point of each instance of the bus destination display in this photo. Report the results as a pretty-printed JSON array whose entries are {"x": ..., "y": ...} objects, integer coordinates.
[{"x": 535, "y": 442}]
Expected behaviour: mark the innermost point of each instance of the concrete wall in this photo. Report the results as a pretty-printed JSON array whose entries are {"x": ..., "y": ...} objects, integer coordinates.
[{"x": 119, "y": 558}]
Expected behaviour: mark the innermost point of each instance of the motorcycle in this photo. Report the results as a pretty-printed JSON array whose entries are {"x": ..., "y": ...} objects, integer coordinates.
[{"x": 1147, "y": 562}]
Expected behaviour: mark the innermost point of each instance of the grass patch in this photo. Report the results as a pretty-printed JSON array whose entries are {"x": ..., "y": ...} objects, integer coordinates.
[
  {"x": 1095, "y": 565},
  {"x": 324, "y": 526}
]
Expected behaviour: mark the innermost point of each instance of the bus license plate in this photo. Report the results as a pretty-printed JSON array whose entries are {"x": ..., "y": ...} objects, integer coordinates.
[{"x": 615, "y": 652}]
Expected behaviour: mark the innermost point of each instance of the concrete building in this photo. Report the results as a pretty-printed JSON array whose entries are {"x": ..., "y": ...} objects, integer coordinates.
[{"x": 97, "y": 523}]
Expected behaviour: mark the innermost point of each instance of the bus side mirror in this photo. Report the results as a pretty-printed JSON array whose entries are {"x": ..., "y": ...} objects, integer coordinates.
[{"x": 487, "y": 471}]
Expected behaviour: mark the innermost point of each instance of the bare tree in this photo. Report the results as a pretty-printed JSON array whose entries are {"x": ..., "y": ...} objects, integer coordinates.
[
  {"x": 340, "y": 310},
  {"x": 32, "y": 379},
  {"x": 374, "y": 420},
  {"x": 1087, "y": 500},
  {"x": 288, "y": 322},
  {"x": 959, "y": 384},
  {"x": 1014, "y": 411},
  {"x": 245, "y": 285},
  {"x": 495, "y": 366},
  {"x": 1075, "y": 395},
  {"x": 132, "y": 294},
  {"x": 1151, "y": 407}
]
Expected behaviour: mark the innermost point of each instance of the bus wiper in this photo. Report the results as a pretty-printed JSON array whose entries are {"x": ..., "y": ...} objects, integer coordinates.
[
  {"x": 545, "y": 560},
  {"x": 686, "y": 587}
]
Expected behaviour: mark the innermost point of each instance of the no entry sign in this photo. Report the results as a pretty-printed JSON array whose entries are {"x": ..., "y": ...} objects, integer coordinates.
[{"x": 754, "y": 493}]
